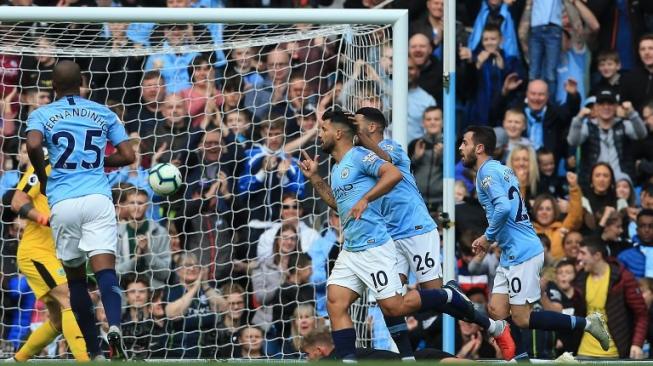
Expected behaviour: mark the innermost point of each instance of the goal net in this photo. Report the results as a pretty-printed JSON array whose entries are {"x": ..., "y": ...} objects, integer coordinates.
[{"x": 235, "y": 263}]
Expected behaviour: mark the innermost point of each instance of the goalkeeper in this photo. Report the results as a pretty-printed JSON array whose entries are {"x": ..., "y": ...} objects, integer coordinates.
[{"x": 45, "y": 275}]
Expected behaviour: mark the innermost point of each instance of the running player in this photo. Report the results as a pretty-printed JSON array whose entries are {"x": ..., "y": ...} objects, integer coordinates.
[
  {"x": 412, "y": 228},
  {"x": 45, "y": 275},
  {"x": 368, "y": 258},
  {"x": 75, "y": 131},
  {"x": 517, "y": 281}
]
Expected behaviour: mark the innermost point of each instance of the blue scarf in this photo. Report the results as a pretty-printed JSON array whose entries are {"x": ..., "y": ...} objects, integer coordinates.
[
  {"x": 535, "y": 129},
  {"x": 509, "y": 43}
]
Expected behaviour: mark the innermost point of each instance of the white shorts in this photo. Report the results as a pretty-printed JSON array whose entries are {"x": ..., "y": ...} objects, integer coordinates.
[
  {"x": 374, "y": 268},
  {"x": 84, "y": 226},
  {"x": 520, "y": 282},
  {"x": 420, "y": 254}
]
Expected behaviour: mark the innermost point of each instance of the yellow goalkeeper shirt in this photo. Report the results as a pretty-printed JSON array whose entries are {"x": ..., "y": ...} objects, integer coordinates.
[{"x": 35, "y": 236}]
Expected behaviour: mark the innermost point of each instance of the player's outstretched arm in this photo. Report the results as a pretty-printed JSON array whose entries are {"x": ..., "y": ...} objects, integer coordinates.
[
  {"x": 309, "y": 169},
  {"x": 124, "y": 155},
  {"x": 36, "y": 156},
  {"x": 21, "y": 204}
]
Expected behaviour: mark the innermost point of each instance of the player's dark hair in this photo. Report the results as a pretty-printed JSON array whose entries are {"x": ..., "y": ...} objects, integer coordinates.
[
  {"x": 483, "y": 135},
  {"x": 595, "y": 245},
  {"x": 66, "y": 77},
  {"x": 373, "y": 115},
  {"x": 342, "y": 118}
]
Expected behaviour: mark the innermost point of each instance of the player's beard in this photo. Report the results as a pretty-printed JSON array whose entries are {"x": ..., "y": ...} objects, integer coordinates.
[
  {"x": 470, "y": 160},
  {"x": 327, "y": 147}
]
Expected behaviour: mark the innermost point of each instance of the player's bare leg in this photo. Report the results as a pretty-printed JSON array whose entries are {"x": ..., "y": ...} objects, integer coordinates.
[
  {"x": 103, "y": 265},
  {"x": 339, "y": 299}
]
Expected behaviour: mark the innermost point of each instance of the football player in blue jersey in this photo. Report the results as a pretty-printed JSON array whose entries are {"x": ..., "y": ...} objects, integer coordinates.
[
  {"x": 83, "y": 220},
  {"x": 517, "y": 281},
  {"x": 368, "y": 259},
  {"x": 412, "y": 228}
]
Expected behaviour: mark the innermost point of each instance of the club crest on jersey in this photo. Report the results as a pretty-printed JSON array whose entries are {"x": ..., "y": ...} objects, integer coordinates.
[
  {"x": 371, "y": 157},
  {"x": 33, "y": 179},
  {"x": 485, "y": 183},
  {"x": 344, "y": 173}
]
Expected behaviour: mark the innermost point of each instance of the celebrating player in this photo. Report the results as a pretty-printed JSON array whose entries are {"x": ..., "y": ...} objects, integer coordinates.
[
  {"x": 412, "y": 229},
  {"x": 517, "y": 281},
  {"x": 83, "y": 221},
  {"x": 368, "y": 258},
  {"x": 38, "y": 261}
]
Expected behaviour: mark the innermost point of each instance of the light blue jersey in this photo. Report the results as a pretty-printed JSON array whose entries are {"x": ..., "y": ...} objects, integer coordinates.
[
  {"x": 403, "y": 207},
  {"x": 351, "y": 179},
  {"x": 75, "y": 131},
  {"x": 509, "y": 224}
]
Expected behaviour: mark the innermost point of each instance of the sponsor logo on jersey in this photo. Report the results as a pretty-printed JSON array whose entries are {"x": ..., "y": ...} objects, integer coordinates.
[{"x": 370, "y": 158}]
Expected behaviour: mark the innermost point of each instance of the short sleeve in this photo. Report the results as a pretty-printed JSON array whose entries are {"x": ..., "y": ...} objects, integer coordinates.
[
  {"x": 370, "y": 162},
  {"x": 492, "y": 184},
  {"x": 117, "y": 133},
  {"x": 35, "y": 122}
]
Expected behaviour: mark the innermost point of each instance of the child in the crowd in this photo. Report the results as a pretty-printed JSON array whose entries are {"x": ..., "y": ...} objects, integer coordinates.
[
  {"x": 549, "y": 181},
  {"x": 514, "y": 125},
  {"x": 609, "y": 65},
  {"x": 492, "y": 65},
  {"x": 562, "y": 296}
]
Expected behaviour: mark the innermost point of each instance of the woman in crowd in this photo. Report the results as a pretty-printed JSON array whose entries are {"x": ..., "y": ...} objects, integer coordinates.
[
  {"x": 602, "y": 194},
  {"x": 523, "y": 161}
]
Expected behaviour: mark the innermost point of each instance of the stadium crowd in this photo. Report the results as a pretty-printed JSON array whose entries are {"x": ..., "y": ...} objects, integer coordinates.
[{"x": 235, "y": 263}]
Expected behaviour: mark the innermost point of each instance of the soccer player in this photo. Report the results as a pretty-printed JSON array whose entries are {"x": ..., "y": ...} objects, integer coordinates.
[
  {"x": 517, "y": 281},
  {"x": 413, "y": 230},
  {"x": 45, "y": 275},
  {"x": 75, "y": 131},
  {"x": 368, "y": 258}
]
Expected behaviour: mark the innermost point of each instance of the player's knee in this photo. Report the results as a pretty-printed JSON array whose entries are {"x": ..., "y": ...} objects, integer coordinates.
[
  {"x": 336, "y": 306},
  {"x": 61, "y": 295}
]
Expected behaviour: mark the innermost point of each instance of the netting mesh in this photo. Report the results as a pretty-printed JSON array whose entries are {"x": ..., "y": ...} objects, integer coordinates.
[{"x": 245, "y": 242}]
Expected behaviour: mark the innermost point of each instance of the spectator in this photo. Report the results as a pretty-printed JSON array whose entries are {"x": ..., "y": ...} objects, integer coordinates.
[
  {"x": 547, "y": 211},
  {"x": 269, "y": 173},
  {"x": 562, "y": 296},
  {"x": 545, "y": 41},
  {"x": 232, "y": 92},
  {"x": 514, "y": 125},
  {"x": 474, "y": 344},
  {"x": 643, "y": 154},
  {"x": 638, "y": 259},
  {"x": 274, "y": 88},
  {"x": 242, "y": 63},
  {"x": 233, "y": 320},
  {"x": 646, "y": 196},
  {"x": 546, "y": 122},
  {"x": 304, "y": 321},
  {"x": 429, "y": 78},
  {"x": 497, "y": 14},
  {"x": 418, "y": 101},
  {"x": 239, "y": 129},
  {"x": 115, "y": 79},
  {"x": 173, "y": 138},
  {"x": 203, "y": 97},
  {"x": 612, "y": 233},
  {"x": 600, "y": 194},
  {"x": 323, "y": 253},
  {"x": 173, "y": 66},
  {"x": 493, "y": 65},
  {"x": 549, "y": 181},
  {"x": 425, "y": 155},
  {"x": 143, "y": 245},
  {"x": 144, "y": 116},
  {"x": 250, "y": 340},
  {"x": 636, "y": 86},
  {"x": 291, "y": 214},
  {"x": 579, "y": 26},
  {"x": 607, "y": 138},
  {"x": 294, "y": 291},
  {"x": 571, "y": 244},
  {"x": 192, "y": 309},
  {"x": 268, "y": 274},
  {"x": 609, "y": 67},
  {"x": 612, "y": 291},
  {"x": 523, "y": 161},
  {"x": 141, "y": 333}
]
